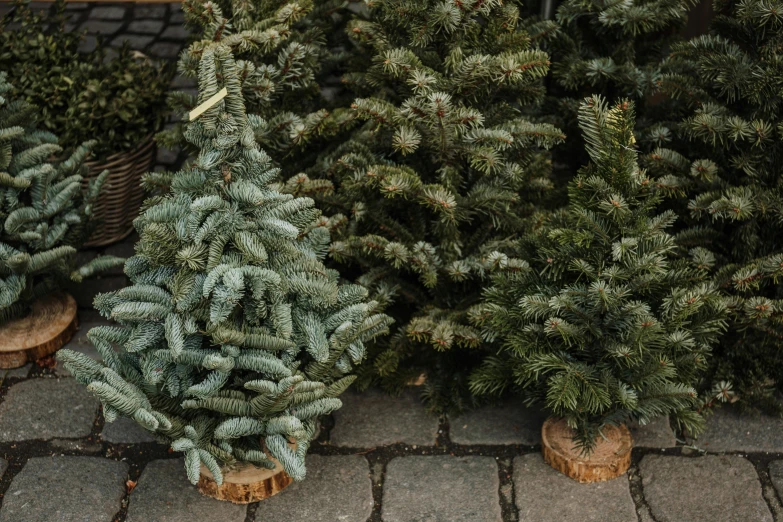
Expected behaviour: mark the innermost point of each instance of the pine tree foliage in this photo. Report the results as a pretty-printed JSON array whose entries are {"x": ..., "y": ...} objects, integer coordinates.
[
  {"x": 441, "y": 170},
  {"x": 597, "y": 317},
  {"x": 282, "y": 56},
  {"x": 727, "y": 160},
  {"x": 234, "y": 338},
  {"x": 613, "y": 47},
  {"x": 44, "y": 209}
]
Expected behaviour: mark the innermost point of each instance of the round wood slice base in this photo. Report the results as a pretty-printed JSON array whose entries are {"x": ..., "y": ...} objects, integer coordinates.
[
  {"x": 244, "y": 483},
  {"x": 49, "y": 325},
  {"x": 610, "y": 458}
]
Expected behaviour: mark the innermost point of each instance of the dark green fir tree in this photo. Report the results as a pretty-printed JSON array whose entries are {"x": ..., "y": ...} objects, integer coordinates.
[
  {"x": 44, "y": 209},
  {"x": 615, "y": 48},
  {"x": 442, "y": 169},
  {"x": 597, "y": 318},
  {"x": 233, "y": 338},
  {"x": 728, "y": 163}
]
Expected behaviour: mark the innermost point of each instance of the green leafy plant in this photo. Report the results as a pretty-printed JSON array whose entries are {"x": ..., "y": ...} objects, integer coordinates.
[
  {"x": 44, "y": 209},
  {"x": 597, "y": 317},
  {"x": 119, "y": 101}
]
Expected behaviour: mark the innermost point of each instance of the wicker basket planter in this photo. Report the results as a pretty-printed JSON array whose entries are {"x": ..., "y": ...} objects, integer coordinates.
[{"x": 122, "y": 195}]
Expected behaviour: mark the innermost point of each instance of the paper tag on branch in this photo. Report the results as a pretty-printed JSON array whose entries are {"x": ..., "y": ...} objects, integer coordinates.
[{"x": 201, "y": 109}]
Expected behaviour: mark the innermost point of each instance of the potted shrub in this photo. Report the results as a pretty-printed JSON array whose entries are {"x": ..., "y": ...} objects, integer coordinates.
[
  {"x": 45, "y": 215},
  {"x": 597, "y": 317},
  {"x": 117, "y": 100}
]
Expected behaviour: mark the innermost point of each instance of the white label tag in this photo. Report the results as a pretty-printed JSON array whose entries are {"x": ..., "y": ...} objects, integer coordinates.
[{"x": 201, "y": 109}]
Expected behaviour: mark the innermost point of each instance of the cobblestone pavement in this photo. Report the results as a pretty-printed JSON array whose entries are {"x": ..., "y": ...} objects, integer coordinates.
[{"x": 377, "y": 459}]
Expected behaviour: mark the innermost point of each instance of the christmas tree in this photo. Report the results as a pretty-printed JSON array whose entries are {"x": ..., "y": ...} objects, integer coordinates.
[
  {"x": 613, "y": 48},
  {"x": 597, "y": 317},
  {"x": 442, "y": 169},
  {"x": 234, "y": 338},
  {"x": 44, "y": 209},
  {"x": 284, "y": 53},
  {"x": 727, "y": 161}
]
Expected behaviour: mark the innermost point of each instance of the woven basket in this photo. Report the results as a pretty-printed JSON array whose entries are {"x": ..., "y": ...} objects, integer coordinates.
[{"x": 119, "y": 201}]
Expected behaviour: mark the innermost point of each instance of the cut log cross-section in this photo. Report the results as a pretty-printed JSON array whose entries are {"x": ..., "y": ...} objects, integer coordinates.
[
  {"x": 48, "y": 326},
  {"x": 610, "y": 458},
  {"x": 245, "y": 483}
]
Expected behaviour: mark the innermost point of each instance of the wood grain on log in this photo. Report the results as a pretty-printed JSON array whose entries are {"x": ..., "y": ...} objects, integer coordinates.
[
  {"x": 610, "y": 458},
  {"x": 48, "y": 326},
  {"x": 244, "y": 483}
]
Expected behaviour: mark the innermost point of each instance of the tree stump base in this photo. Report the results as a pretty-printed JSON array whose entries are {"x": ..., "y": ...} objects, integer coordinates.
[
  {"x": 244, "y": 483},
  {"x": 50, "y": 324},
  {"x": 610, "y": 458}
]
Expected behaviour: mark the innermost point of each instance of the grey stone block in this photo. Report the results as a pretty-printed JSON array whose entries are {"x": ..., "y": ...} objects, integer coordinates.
[
  {"x": 714, "y": 488},
  {"x": 776, "y": 476},
  {"x": 104, "y": 28},
  {"x": 545, "y": 494},
  {"x": 43, "y": 409},
  {"x": 17, "y": 373},
  {"x": 125, "y": 431},
  {"x": 177, "y": 16},
  {"x": 3, "y": 467},
  {"x": 336, "y": 488},
  {"x": 730, "y": 430},
  {"x": 655, "y": 434},
  {"x": 145, "y": 26},
  {"x": 137, "y": 42},
  {"x": 163, "y": 494},
  {"x": 80, "y": 343},
  {"x": 509, "y": 423},
  {"x": 65, "y": 489},
  {"x": 441, "y": 489},
  {"x": 374, "y": 418},
  {"x": 113, "y": 12},
  {"x": 165, "y": 49},
  {"x": 87, "y": 45},
  {"x": 175, "y": 32},
  {"x": 75, "y": 6},
  {"x": 149, "y": 11}
]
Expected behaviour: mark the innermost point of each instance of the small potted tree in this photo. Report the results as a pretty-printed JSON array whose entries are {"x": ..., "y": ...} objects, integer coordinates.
[
  {"x": 234, "y": 338},
  {"x": 45, "y": 217},
  {"x": 118, "y": 101},
  {"x": 597, "y": 317}
]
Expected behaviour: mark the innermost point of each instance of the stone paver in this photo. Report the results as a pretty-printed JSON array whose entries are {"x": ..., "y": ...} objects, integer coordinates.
[
  {"x": 730, "y": 430},
  {"x": 146, "y": 26},
  {"x": 546, "y": 495},
  {"x": 65, "y": 489},
  {"x": 108, "y": 12},
  {"x": 125, "y": 431},
  {"x": 16, "y": 373},
  {"x": 375, "y": 419},
  {"x": 81, "y": 343},
  {"x": 45, "y": 409},
  {"x": 713, "y": 488},
  {"x": 655, "y": 434},
  {"x": 336, "y": 489},
  {"x": 776, "y": 475},
  {"x": 509, "y": 423},
  {"x": 441, "y": 489},
  {"x": 163, "y": 494}
]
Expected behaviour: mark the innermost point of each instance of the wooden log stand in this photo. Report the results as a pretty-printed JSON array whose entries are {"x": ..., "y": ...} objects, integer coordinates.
[
  {"x": 610, "y": 458},
  {"x": 50, "y": 324},
  {"x": 244, "y": 483}
]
